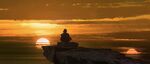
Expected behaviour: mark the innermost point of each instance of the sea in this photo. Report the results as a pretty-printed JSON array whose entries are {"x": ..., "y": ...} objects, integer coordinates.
[{"x": 129, "y": 38}]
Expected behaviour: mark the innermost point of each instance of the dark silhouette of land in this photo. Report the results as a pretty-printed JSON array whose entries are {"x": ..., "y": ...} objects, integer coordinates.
[{"x": 66, "y": 52}]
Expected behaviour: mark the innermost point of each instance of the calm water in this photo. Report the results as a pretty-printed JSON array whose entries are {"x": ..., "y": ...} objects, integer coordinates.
[{"x": 20, "y": 48}]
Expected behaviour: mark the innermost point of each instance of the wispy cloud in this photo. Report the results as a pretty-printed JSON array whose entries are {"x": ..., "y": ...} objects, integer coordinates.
[
  {"x": 147, "y": 1},
  {"x": 127, "y": 3},
  {"x": 3, "y": 9},
  {"x": 139, "y": 17},
  {"x": 118, "y": 5},
  {"x": 126, "y": 18}
]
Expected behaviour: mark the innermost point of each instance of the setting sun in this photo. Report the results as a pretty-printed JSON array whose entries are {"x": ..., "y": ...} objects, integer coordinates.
[{"x": 43, "y": 41}]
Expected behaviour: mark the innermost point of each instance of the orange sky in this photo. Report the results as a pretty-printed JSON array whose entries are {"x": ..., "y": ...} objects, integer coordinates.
[
  {"x": 72, "y": 9},
  {"x": 15, "y": 28},
  {"x": 90, "y": 26},
  {"x": 49, "y": 17}
]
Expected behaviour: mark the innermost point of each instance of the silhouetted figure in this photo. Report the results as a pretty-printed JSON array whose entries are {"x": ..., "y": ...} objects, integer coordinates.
[
  {"x": 65, "y": 40},
  {"x": 65, "y": 37}
]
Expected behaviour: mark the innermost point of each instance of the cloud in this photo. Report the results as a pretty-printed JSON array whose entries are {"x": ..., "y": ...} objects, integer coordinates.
[
  {"x": 147, "y": 1},
  {"x": 126, "y": 4},
  {"x": 117, "y": 4},
  {"x": 110, "y": 5},
  {"x": 140, "y": 17},
  {"x": 125, "y": 18},
  {"x": 115, "y": 19},
  {"x": 3, "y": 9}
]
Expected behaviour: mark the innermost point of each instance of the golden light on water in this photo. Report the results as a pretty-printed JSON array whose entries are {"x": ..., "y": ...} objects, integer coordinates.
[
  {"x": 132, "y": 51},
  {"x": 42, "y": 42}
]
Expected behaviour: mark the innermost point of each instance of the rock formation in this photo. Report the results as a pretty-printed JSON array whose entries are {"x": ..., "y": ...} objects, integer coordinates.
[
  {"x": 66, "y": 52},
  {"x": 66, "y": 55}
]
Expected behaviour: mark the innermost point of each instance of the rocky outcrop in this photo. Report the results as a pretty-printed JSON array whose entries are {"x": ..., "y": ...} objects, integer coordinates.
[
  {"x": 79, "y": 55},
  {"x": 68, "y": 44}
]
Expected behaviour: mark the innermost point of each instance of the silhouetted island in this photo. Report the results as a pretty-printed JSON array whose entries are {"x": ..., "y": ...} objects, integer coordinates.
[{"x": 66, "y": 52}]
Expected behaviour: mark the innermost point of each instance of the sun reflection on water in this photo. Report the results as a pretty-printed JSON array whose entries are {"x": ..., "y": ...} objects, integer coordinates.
[{"x": 132, "y": 51}]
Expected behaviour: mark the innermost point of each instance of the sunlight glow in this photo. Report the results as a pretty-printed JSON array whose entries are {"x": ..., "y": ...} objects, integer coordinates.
[
  {"x": 129, "y": 39},
  {"x": 41, "y": 29},
  {"x": 132, "y": 51},
  {"x": 42, "y": 42},
  {"x": 39, "y": 25}
]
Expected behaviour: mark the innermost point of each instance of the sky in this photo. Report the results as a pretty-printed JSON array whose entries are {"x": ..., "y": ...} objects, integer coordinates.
[
  {"x": 72, "y": 9},
  {"x": 86, "y": 20},
  {"x": 47, "y": 17}
]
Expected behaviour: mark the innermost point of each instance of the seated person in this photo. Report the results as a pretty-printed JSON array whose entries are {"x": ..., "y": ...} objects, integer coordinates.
[
  {"x": 65, "y": 40},
  {"x": 65, "y": 37}
]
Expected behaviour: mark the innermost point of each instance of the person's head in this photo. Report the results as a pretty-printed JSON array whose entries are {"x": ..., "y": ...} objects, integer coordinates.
[{"x": 65, "y": 31}]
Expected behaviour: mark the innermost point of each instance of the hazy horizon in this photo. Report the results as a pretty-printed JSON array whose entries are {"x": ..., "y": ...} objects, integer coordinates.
[{"x": 120, "y": 25}]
